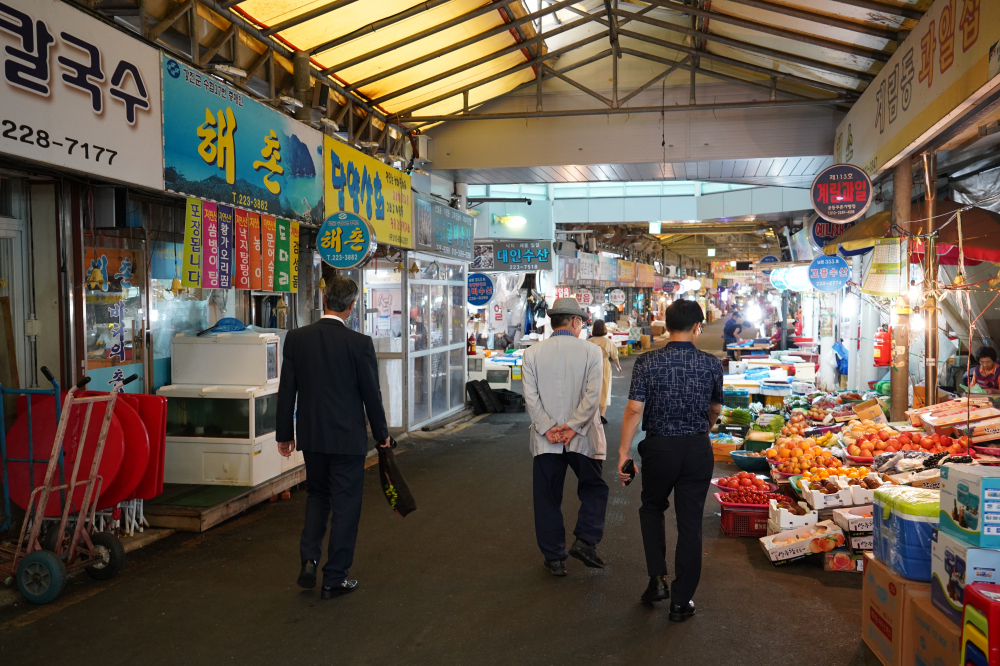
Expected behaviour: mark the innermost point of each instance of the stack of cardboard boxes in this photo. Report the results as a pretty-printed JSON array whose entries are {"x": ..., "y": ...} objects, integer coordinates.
[{"x": 907, "y": 622}]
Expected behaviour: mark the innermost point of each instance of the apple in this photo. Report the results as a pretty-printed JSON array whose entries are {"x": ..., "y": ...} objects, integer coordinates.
[{"x": 946, "y": 441}]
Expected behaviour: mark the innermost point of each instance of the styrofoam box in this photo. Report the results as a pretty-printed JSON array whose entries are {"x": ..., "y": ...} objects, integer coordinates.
[
  {"x": 855, "y": 521},
  {"x": 818, "y": 500},
  {"x": 786, "y": 520},
  {"x": 861, "y": 495}
]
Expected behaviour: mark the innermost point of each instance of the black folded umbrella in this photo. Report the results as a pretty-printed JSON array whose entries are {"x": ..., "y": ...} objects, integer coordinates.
[{"x": 394, "y": 485}]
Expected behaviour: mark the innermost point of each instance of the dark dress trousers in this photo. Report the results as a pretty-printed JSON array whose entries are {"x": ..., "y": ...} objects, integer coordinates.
[{"x": 333, "y": 372}]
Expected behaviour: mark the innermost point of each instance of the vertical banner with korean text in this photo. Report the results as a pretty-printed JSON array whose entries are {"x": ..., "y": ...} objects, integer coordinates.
[
  {"x": 293, "y": 252},
  {"x": 225, "y": 247},
  {"x": 191, "y": 275},
  {"x": 377, "y": 193},
  {"x": 241, "y": 250},
  {"x": 282, "y": 280},
  {"x": 256, "y": 267},
  {"x": 267, "y": 251},
  {"x": 210, "y": 253}
]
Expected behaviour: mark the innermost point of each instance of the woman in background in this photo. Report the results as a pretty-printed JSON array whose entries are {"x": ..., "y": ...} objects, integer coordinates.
[
  {"x": 601, "y": 339},
  {"x": 986, "y": 375}
]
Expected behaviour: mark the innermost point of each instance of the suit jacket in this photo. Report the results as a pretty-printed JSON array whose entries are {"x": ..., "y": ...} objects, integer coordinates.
[
  {"x": 562, "y": 384},
  {"x": 333, "y": 371}
]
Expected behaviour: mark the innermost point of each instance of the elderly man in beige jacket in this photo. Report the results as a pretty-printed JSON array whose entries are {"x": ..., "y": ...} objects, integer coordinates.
[{"x": 562, "y": 389}]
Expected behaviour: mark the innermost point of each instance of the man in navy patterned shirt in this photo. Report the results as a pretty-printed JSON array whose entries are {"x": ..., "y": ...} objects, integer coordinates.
[{"x": 677, "y": 391}]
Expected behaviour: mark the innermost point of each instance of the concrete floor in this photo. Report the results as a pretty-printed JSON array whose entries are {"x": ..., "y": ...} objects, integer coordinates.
[{"x": 458, "y": 582}]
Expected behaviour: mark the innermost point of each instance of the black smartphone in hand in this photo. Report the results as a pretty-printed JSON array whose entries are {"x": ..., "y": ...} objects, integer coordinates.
[{"x": 629, "y": 468}]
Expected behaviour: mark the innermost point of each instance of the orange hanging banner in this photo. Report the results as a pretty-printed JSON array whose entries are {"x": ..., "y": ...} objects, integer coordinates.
[{"x": 268, "y": 232}]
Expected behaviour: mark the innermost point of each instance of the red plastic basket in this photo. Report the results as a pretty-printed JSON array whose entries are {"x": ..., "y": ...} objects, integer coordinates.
[{"x": 744, "y": 522}]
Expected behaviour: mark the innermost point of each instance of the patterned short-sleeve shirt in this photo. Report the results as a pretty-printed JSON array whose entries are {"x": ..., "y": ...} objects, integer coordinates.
[{"x": 677, "y": 384}]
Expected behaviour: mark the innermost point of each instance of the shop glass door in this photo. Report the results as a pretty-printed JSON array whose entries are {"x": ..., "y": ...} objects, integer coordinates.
[
  {"x": 436, "y": 338},
  {"x": 383, "y": 307}
]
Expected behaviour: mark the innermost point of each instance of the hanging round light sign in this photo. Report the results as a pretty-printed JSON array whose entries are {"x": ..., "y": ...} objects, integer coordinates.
[
  {"x": 346, "y": 241},
  {"x": 480, "y": 289},
  {"x": 617, "y": 298},
  {"x": 841, "y": 193},
  {"x": 829, "y": 273},
  {"x": 823, "y": 232},
  {"x": 778, "y": 280},
  {"x": 797, "y": 278},
  {"x": 584, "y": 297}
]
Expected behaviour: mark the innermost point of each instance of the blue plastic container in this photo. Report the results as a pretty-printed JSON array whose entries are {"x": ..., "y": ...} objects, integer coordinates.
[{"x": 904, "y": 522}]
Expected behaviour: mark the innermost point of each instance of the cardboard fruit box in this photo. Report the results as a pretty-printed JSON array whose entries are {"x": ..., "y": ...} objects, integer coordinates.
[
  {"x": 855, "y": 521},
  {"x": 871, "y": 410},
  {"x": 915, "y": 415},
  {"x": 792, "y": 545},
  {"x": 842, "y": 559},
  {"x": 945, "y": 424}
]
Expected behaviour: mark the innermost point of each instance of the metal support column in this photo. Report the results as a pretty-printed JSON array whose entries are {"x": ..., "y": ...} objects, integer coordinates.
[
  {"x": 301, "y": 73},
  {"x": 784, "y": 319},
  {"x": 899, "y": 376},
  {"x": 930, "y": 283},
  {"x": 853, "y": 328}
]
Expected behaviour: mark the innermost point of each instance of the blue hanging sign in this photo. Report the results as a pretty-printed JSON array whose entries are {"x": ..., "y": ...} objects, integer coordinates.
[
  {"x": 767, "y": 259},
  {"x": 841, "y": 193},
  {"x": 829, "y": 273},
  {"x": 345, "y": 241},
  {"x": 778, "y": 279},
  {"x": 480, "y": 289}
]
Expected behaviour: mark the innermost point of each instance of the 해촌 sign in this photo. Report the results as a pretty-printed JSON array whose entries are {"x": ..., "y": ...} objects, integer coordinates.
[
  {"x": 345, "y": 241},
  {"x": 829, "y": 273},
  {"x": 361, "y": 185},
  {"x": 480, "y": 289},
  {"x": 443, "y": 230},
  {"x": 79, "y": 94},
  {"x": 841, "y": 193},
  {"x": 219, "y": 144},
  {"x": 533, "y": 255}
]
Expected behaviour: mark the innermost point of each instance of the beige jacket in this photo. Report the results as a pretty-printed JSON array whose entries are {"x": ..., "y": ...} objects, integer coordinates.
[{"x": 562, "y": 379}]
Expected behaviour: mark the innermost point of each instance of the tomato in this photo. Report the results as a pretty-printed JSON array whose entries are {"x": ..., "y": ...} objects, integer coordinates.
[
  {"x": 744, "y": 475},
  {"x": 733, "y": 484},
  {"x": 746, "y": 482}
]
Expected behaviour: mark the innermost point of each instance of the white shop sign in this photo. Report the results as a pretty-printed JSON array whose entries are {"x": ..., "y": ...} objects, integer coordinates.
[{"x": 79, "y": 94}]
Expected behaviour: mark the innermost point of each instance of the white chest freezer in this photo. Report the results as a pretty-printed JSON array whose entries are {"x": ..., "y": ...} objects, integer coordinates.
[
  {"x": 223, "y": 435},
  {"x": 244, "y": 358}
]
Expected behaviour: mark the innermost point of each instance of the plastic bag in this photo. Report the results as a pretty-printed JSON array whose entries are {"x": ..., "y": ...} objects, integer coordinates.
[{"x": 394, "y": 486}]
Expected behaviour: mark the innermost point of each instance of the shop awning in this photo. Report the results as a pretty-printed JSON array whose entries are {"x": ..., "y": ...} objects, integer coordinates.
[{"x": 980, "y": 230}]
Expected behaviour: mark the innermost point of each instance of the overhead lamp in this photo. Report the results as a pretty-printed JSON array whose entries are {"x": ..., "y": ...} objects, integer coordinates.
[
  {"x": 733, "y": 263},
  {"x": 290, "y": 101},
  {"x": 230, "y": 70},
  {"x": 914, "y": 293},
  {"x": 327, "y": 122},
  {"x": 420, "y": 172},
  {"x": 917, "y": 322},
  {"x": 711, "y": 251},
  {"x": 368, "y": 144}
]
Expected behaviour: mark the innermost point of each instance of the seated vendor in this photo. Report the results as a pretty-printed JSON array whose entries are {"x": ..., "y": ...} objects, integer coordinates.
[{"x": 987, "y": 374}]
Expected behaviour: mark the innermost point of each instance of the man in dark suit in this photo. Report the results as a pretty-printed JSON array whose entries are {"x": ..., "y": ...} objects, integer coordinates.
[{"x": 333, "y": 371}]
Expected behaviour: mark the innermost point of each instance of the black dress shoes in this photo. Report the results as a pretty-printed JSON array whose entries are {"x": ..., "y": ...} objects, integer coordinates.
[
  {"x": 346, "y": 587},
  {"x": 555, "y": 567},
  {"x": 657, "y": 590},
  {"x": 587, "y": 554},
  {"x": 679, "y": 613},
  {"x": 307, "y": 577}
]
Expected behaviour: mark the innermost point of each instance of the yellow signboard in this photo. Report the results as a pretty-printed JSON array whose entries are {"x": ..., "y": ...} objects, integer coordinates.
[
  {"x": 948, "y": 63},
  {"x": 359, "y": 184}
]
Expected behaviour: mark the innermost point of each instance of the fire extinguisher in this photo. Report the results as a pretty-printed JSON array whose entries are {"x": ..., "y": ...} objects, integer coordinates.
[
  {"x": 470, "y": 345},
  {"x": 883, "y": 346}
]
